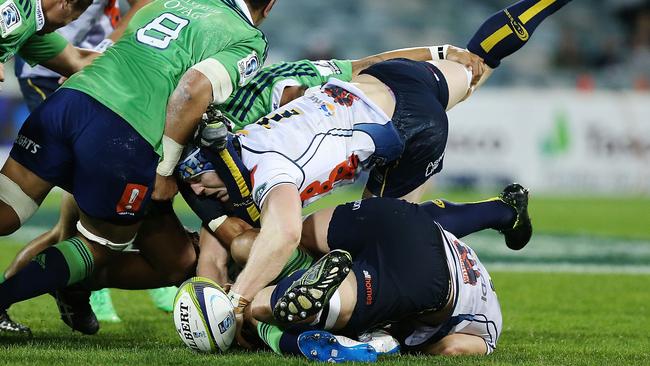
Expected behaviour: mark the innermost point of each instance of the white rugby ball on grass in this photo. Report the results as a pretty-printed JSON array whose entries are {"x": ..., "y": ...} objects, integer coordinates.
[{"x": 204, "y": 316}]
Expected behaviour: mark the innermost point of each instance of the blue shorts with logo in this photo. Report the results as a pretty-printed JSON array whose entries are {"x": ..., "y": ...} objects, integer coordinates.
[
  {"x": 398, "y": 259},
  {"x": 421, "y": 97},
  {"x": 78, "y": 144}
]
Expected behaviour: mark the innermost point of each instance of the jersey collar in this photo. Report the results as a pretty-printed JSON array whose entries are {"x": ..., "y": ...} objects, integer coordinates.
[
  {"x": 40, "y": 17},
  {"x": 244, "y": 8}
]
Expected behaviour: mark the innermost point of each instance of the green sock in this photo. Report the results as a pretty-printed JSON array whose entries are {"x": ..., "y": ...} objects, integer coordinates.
[
  {"x": 299, "y": 260},
  {"x": 271, "y": 335},
  {"x": 78, "y": 257}
]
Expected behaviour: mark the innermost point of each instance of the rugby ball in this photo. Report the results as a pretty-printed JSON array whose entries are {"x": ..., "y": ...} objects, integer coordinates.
[{"x": 204, "y": 316}]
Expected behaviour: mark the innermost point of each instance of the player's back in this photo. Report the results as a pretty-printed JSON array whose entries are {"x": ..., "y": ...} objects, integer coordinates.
[
  {"x": 317, "y": 141},
  {"x": 136, "y": 76}
]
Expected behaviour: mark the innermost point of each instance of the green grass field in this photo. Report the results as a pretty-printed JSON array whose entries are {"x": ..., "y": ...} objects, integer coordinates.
[{"x": 578, "y": 295}]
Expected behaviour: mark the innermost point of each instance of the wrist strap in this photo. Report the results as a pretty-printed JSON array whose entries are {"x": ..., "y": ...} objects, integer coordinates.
[
  {"x": 238, "y": 302},
  {"x": 172, "y": 151},
  {"x": 439, "y": 52}
]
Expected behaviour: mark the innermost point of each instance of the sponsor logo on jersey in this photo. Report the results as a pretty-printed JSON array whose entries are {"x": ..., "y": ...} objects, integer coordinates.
[
  {"x": 327, "y": 68},
  {"x": 27, "y": 144},
  {"x": 11, "y": 18},
  {"x": 259, "y": 192},
  {"x": 248, "y": 67},
  {"x": 328, "y": 109},
  {"x": 517, "y": 27},
  {"x": 367, "y": 283},
  {"x": 468, "y": 265},
  {"x": 131, "y": 199},
  {"x": 226, "y": 324},
  {"x": 340, "y": 95}
]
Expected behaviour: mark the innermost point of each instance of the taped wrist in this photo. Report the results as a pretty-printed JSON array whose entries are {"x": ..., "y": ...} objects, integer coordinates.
[
  {"x": 172, "y": 151},
  {"x": 439, "y": 52}
]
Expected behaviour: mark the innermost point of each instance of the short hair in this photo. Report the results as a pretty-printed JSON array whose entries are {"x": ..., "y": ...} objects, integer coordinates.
[{"x": 258, "y": 4}]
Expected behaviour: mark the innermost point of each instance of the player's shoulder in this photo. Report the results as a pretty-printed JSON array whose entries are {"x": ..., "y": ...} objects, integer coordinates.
[{"x": 18, "y": 15}]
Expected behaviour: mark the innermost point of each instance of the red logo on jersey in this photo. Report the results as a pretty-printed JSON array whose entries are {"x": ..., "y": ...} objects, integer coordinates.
[
  {"x": 467, "y": 264},
  {"x": 344, "y": 171},
  {"x": 131, "y": 200},
  {"x": 341, "y": 96},
  {"x": 112, "y": 11}
]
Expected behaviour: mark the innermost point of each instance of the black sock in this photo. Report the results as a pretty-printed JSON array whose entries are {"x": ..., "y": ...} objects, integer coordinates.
[
  {"x": 508, "y": 30},
  {"x": 462, "y": 219},
  {"x": 54, "y": 268}
]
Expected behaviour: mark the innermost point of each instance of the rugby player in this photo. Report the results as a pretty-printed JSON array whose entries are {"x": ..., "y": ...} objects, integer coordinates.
[
  {"x": 390, "y": 120},
  {"x": 97, "y": 28},
  {"x": 27, "y": 29},
  {"x": 396, "y": 267},
  {"x": 101, "y": 135}
]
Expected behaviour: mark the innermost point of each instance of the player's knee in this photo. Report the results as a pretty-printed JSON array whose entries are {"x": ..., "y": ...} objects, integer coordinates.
[
  {"x": 183, "y": 268},
  {"x": 451, "y": 350}
]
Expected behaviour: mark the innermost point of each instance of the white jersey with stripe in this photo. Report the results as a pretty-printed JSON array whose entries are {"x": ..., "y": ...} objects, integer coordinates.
[
  {"x": 92, "y": 27},
  {"x": 315, "y": 142},
  {"x": 476, "y": 308}
]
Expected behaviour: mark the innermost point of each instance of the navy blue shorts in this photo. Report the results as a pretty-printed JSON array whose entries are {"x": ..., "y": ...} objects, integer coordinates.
[
  {"x": 399, "y": 260},
  {"x": 78, "y": 144},
  {"x": 421, "y": 95},
  {"x": 35, "y": 90}
]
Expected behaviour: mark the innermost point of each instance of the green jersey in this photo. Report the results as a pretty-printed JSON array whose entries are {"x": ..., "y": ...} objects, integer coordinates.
[
  {"x": 136, "y": 76},
  {"x": 263, "y": 94},
  {"x": 19, "y": 22}
]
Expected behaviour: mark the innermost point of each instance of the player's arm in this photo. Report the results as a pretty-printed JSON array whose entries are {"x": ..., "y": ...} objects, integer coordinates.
[
  {"x": 185, "y": 108},
  {"x": 446, "y": 52},
  {"x": 70, "y": 60},
  {"x": 279, "y": 236},
  {"x": 458, "y": 344},
  {"x": 2, "y": 72}
]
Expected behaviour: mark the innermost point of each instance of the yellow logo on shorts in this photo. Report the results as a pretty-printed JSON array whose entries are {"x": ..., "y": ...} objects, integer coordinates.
[{"x": 439, "y": 203}]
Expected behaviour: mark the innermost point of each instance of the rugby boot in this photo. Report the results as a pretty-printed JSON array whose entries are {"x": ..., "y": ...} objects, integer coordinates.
[
  {"x": 9, "y": 326},
  {"x": 516, "y": 196},
  {"x": 319, "y": 345},
  {"x": 76, "y": 312},
  {"x": 381, "y": 341},
  {"x": 163, "y": 298},
  {"x": 314, "y": 288},
  {"x": 102, "y": 306}
]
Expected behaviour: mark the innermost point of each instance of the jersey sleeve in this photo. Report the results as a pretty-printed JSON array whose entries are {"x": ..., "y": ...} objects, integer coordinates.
[
  {"x": 339, "y": 69},
  {"x": 39, "y": 49},
  {"x": 230, "y": 69},
  {"x": 271, "y": 173}
]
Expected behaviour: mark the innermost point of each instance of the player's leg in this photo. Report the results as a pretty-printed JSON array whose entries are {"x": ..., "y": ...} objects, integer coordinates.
[
  {"x": 508, "y": 30},
  {"x": 458, "y": 79},
  {"x": 64, "y": 228}
]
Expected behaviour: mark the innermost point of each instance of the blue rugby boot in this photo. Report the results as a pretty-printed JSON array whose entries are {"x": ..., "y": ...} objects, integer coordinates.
[
  {"x": 314, "y": 288},
  {"x": 516, "y": 196},
  {"x": 320, "y": 345}
]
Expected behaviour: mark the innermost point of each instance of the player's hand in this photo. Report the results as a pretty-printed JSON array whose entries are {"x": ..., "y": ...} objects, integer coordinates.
[
  {"x": 239, "y": 319},
  {"x": 165, "y": 188},
  {"x": 469, "y": 60},
  {"x": 2, "y": 72}
]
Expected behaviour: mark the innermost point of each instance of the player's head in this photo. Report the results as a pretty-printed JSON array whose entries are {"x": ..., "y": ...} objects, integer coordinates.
[
  {"x": 195, "y": 169},
  {"x": 59, "y": 13},
  {"x": 260, "y": 9}
]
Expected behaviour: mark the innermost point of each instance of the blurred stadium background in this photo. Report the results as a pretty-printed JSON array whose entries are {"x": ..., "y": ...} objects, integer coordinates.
[{"x": 567, "y": 116}]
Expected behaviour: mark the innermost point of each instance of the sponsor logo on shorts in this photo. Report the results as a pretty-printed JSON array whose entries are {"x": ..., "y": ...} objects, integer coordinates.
[
  {"x": 131, "y": 199},
  {"x": 226, "y": 324},
  {"x": 356, "y": 205},
  {"x": 367, "y": 283},
  {"x": 185, "y": 330},
  {"x": 248, "y": 67},
  {"x": 517, "y": 27},
  {"x": 10, "y": 18},
  {"x": 433, "y": 166},
  {"x": 326, "y": 68},
  {"x": 27, "y": 144}
]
